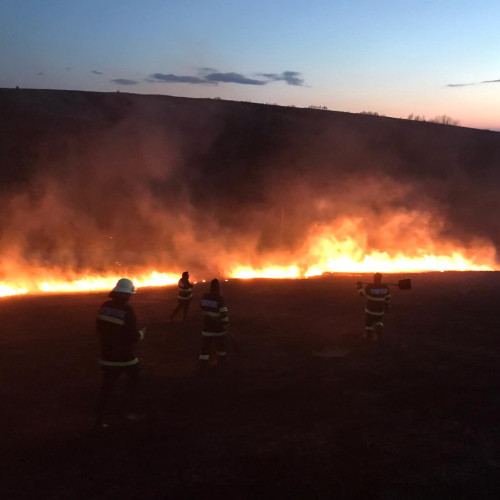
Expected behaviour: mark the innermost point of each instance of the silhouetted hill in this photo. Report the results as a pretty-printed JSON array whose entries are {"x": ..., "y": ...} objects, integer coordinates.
[{"x": 221, "y": 135}]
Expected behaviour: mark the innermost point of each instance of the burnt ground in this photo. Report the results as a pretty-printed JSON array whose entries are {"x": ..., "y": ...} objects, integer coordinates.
[{"x": 305, "y": 408}]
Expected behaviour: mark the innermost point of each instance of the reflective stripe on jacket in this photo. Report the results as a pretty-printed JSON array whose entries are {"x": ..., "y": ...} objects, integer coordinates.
[
  {"x": 119, "y": 363},
  {"x": 215, "y": 315},
  {"x": 378, "y": 298},
  {"x": 117, "y": 329},
  {"x": 184, "y": 292}
]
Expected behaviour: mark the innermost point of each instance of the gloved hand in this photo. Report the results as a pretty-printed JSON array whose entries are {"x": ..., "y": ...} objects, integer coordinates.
[{"x": 142, "y": 331}]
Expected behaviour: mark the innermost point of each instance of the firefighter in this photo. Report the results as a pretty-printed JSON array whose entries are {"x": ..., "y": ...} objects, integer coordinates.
[
  {"x": 215, "y": 325},
  {"x": 378, "y": 300},
  {"x": 118, "y": 335},
  {"x": 184, "y": 296}
]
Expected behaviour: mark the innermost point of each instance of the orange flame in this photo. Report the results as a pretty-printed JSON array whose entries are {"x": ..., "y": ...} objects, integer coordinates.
[
  {"x": 87, "y": 283},
  {"x": 341, "y": 247}
]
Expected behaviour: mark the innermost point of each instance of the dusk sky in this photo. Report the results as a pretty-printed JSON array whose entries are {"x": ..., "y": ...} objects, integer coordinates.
[{"x": 392, "y": 57}]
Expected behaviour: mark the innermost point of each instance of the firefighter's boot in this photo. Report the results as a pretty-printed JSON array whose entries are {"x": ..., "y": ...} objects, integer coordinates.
[
  {"x": 222, "y": 359},
  {"x": 204, "y": 361},
  {"x": 379, "y": 327}
]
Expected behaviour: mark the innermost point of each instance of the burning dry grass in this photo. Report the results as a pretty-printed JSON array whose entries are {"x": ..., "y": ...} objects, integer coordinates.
[
  {"x": 337, "y": 248},
  {"x": 158, "y": 186}
]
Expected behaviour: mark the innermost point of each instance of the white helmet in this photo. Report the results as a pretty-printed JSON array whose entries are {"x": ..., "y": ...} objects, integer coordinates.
[{"x": 124, "y": 285}]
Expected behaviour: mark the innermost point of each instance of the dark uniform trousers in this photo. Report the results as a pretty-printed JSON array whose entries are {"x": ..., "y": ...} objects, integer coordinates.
[
  {"x": 110, "y": 376},
  {"x": 215, "y": 324},
  {"x": 182, "y": 305},
  {"x": 378, "y": 300},
  {"x": 219, "y": 342}
]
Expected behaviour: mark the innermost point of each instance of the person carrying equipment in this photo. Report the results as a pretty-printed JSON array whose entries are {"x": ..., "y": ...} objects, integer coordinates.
[
  {"x": 215, "y": 324},
  {"x": 184, "y": 297},
  {"x": 117, "y": 329},
  {"x": 378, "y": 300}
]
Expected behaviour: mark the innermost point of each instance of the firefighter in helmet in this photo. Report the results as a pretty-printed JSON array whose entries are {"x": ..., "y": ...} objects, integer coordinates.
[
  {"x": 184, "y": 296},
  {"x": 117, "y": 329},
  {"x": 215, "y": 324},
  {"x": 378, "y": 300}
]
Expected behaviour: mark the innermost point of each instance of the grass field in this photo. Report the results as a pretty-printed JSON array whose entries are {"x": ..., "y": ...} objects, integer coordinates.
[{"x": 305, "y": 408}]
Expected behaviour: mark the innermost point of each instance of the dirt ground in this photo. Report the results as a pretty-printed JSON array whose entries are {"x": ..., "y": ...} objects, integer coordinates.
[{"x": 305, "y": 408}]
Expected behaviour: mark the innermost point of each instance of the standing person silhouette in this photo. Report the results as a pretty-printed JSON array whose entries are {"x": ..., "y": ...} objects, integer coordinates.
[
  {"x": 378, "y": 300},
  {"x": 184, "y": 297},
  {"x": 117, "y": 329},
  {"x": 215, "y": 324}
]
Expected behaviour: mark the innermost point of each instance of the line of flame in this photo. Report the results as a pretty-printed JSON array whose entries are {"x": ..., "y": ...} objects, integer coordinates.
[{"x": 380, "y": 262}]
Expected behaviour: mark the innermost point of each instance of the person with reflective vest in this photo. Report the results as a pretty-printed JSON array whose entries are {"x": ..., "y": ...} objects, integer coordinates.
[
  {"x": 378, "y": 300},
  {"x": 117, "y": 330},
  {"x": 184, "y": 296},
  {"x": 215, "y": 324}
]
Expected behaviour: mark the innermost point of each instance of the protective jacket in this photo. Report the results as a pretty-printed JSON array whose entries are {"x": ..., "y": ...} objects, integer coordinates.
[
  {"x": 378, "y": 298},
  {"x": 215, "y": 315},
  {"x": 185, "y": 287},
  {"x": 117, "y": 329}
]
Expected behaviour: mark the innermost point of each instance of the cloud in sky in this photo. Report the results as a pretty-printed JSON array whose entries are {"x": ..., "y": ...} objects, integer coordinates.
[
  {"x": 207, "y": 70},
  {"x": 160, "y": 77},
  {"x": 210, "y": 76},
  {"x": 233, "y": 78},
  {"x": 290, "y": 77},
  {"x": 97, "y": 72},
  {"x": 459, "y": 84},
  {"x": 468, "y": 84},
  {"x": 124, "y": 81}
]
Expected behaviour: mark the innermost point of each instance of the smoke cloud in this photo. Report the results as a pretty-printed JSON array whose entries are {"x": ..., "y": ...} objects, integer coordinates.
[{"x": 94, "y": 183}]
